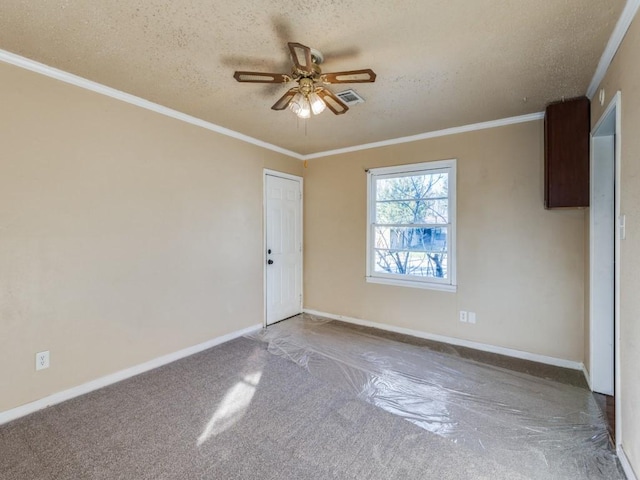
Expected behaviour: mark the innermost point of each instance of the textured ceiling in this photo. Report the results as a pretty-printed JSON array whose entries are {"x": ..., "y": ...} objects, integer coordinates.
[{"x": 440, "y": 63}]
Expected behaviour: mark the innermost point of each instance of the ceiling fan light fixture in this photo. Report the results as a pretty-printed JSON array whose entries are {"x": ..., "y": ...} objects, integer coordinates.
[
  {"x": 296, "y": 103},
  {"x": 317, "y": 105},
  {"x": 305, "y": 109},
  {"x": 300, "y": 105}
]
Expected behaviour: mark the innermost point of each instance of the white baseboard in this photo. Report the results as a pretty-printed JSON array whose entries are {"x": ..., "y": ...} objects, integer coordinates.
[
  {"x": 587, "y": 376},
  {"x": 558, "y": 362},
  {"x": 626, "y": 466},
  {"x": 92, "y": 385}
]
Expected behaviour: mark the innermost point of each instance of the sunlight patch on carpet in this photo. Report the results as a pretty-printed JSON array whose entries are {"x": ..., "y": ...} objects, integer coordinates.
[{"x": 232, "y": 407}]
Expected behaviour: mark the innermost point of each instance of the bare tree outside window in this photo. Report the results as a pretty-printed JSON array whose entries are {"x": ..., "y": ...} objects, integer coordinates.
[{"x": 411, "y": 225}]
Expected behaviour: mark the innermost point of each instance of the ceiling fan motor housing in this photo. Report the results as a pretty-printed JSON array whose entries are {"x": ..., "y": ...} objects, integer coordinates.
[
  {"x": 315, "y": 74},
  {"x": 306, "y": 85},
  {"x": 316, "y": 56}
]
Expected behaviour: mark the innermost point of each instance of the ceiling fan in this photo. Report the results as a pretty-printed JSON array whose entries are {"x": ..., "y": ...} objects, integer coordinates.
[{"x": 310, "y": 94}]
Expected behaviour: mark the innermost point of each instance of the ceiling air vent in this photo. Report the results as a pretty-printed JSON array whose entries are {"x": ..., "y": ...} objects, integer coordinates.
[{"x": 350, "y": 97}]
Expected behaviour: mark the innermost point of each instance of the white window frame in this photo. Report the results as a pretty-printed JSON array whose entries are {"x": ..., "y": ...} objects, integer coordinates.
[{"x": 449, "y": 284}]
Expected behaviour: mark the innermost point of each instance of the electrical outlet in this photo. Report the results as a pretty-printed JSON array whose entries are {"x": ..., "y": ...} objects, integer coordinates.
[
  {"x": 472, "y": 317},
  {"x": 463, "y": 316},
  {"x": 42, "y": 360}
]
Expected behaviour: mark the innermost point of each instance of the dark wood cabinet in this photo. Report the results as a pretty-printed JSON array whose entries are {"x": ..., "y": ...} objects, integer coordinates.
[{"x": 566, "y": 156}]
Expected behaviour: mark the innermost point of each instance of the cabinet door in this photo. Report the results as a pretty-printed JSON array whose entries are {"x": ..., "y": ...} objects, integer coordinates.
[{"x": 567, "y": 126}]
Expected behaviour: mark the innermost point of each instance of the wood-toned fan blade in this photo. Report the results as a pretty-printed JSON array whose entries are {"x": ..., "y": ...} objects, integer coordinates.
[
  {"x": 301, "y": 56},
  {"x": 284, "y": 101},
  {"x": 352, "y": 76},
  {"x": 261, "y": 77},
  {"x": 332, "y": 102}
]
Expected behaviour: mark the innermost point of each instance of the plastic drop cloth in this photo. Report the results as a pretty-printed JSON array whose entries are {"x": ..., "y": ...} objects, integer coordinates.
[{"x": 548, "y": 429}]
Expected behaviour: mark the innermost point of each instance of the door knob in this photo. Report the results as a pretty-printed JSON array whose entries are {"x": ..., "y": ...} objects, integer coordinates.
[{"x": 270, "y": 262}]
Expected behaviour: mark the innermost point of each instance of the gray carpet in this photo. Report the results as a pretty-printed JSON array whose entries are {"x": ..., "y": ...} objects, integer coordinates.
[
  {"x": 232, "y": 412},
  {"x": 296, "y": 427}
]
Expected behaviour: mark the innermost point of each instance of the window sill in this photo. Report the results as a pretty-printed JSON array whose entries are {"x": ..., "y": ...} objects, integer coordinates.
[{"x": 408, "y": 283}]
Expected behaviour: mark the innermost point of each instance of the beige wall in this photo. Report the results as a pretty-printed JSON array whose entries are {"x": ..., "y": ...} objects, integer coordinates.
[
  {"x": 520, "y": 267},
  {"x": 124, "y": 234},
  {"x": 624, "y": 75}
]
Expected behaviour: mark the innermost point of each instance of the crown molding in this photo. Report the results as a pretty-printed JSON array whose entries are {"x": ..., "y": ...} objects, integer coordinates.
[
  {"x": 61, "y": 75},
  {"x": 620, "y": 30},
  {"x": 32, "y": 65},
  {"x": 626, "y": 17},
  {"x": 437, "y": 133}
]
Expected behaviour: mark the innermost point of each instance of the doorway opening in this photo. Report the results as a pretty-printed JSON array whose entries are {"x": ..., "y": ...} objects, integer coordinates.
[{"x": 604, "y": 248}]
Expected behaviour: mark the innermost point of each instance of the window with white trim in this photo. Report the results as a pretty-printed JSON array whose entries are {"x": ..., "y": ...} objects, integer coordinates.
[{"x": 411, "y": 225}]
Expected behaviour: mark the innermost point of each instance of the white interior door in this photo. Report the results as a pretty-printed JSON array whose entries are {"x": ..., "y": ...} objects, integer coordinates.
[{"x": 283, "y": 228}]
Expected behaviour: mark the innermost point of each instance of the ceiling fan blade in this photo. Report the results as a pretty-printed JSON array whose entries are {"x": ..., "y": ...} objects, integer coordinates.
[
  {"x": 301, "y": 56},
  {"x": 351, "y": 76},
  {"x": 332, "y": 102},
  {"x": 283, "y": 102},
  {"x": 261, "y": 77}
]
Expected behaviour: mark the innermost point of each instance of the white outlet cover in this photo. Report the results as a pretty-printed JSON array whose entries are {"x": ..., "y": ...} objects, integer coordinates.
[
  {"x": 472, "y": 317},
  {"x": 463, "y": 316},
  {"x": 42, "y": 360}
]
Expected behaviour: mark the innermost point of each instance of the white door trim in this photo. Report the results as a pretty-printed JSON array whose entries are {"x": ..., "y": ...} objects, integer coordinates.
[
  {"x": 275, "y": 173},
  {"x": 618, "y": 213},
  {"x": 615, "y": 103}
]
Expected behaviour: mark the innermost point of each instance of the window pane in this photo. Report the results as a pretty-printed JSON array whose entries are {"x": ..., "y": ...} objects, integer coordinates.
[
  {"x": 410, "y": 215},
  {"x": 419, "y": 264},
  {"x": 412, "y": 211},
  {"x": 411, "y": 239},
  {"x": 413, "y": 187}
]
